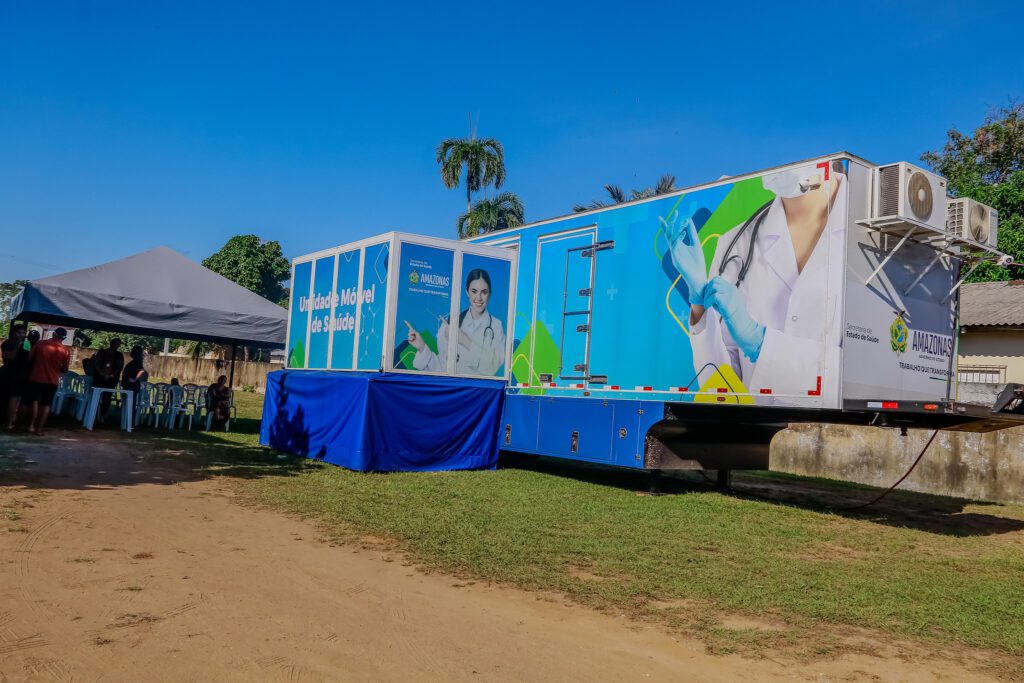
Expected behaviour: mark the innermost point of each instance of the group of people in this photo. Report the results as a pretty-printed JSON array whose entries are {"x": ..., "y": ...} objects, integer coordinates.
[
  {"x": 30, "y": 374},
  {"x": 107, "y": 368},
  {"x": 32, "y": 371}
]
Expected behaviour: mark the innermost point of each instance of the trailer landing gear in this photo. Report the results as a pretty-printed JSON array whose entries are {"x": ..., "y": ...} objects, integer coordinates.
[
  {"x": 654, "y": 483},
  {"x": 723, "y": 480}
]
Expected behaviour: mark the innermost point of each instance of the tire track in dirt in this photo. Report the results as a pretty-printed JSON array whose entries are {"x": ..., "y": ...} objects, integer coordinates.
[
  {"x": 22, "y": 568},
  {"x": 10, "y": 641},
  {"x": 42, "y": 668},
  {"x": 23, "y": 643},
  {"x": 49, "y": 622},
  {"x": 132, "y": 620}
]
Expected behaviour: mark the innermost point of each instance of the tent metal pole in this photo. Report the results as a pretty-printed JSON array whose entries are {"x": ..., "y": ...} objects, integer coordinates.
[{"x": 234, "y": 352}]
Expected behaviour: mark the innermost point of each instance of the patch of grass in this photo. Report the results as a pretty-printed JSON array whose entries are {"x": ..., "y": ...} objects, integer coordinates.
[
  {"x": 17, "y": 530},
  {"x": 83, "y": 560},
  {"x": 529, "y": 528},
  {"x": 11, "y": 515},
  {"x": 131, "y": 589}
]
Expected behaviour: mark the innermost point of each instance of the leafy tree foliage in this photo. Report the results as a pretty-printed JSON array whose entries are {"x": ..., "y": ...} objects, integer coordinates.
[
  {"x": 8, "y": 290},
  {"x": 487, "y": 215},
  {"x": 257, "y": 265},
  {"x": 988, "y": 165},
  {"x": 483, "y": 159},
  {"x": 665, "y": 184},
  {"x": 101, "y": 340}
]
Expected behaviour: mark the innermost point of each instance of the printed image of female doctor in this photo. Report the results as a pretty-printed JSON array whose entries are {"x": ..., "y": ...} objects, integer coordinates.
[
  {"x": 769, "y": 304},
  {"x": 481, "y": 335}
]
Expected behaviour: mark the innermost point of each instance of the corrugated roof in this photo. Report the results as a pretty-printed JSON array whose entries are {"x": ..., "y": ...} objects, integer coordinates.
[{"x": 992, "y": 303}]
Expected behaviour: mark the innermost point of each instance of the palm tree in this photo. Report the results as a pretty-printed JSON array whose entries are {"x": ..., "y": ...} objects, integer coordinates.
[
  {"x": 665, "y": 184},
  {"x": 488, "y": 215},
  {"x": 484, "y": 159}
]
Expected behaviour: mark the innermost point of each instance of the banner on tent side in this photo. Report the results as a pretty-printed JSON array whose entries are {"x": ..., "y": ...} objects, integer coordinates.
[{"x": 403, "y": 303}]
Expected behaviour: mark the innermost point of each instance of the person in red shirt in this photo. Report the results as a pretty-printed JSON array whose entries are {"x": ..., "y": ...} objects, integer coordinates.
[{"x": 49, "y": 360}]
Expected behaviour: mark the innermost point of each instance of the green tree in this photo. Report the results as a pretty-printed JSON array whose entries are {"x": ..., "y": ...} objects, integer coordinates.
[
  {"x": 483, "y": 159},
  {"x": 257, "y": 265},
  {"x": 665, "y": 184},
  {"x": 988, "y": 165},
  {"x": 8, "y": 290},
  {"x": 100, "y": 339},
  {"x": 487, "y": 215}
]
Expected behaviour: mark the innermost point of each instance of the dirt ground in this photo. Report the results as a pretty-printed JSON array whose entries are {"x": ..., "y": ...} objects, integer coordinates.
[{"x": 118, "y": 569}]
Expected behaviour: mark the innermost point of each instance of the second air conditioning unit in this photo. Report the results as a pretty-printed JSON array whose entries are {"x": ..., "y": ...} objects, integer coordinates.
[
  {"x": 904, "y": 192},
  {"x": 972, "y": 220}
]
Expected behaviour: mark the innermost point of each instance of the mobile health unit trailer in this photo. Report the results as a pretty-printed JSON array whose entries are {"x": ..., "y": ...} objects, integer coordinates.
[
  {"x": 397, "y": 355},
  {"x": 683, "y": 331}
]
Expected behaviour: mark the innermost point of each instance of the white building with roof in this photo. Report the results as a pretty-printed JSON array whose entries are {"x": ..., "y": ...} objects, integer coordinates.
[{"x": 991, "y": 333}]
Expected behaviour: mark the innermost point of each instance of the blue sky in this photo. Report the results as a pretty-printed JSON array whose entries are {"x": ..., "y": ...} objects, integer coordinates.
[{"x": 129, "y": 125}]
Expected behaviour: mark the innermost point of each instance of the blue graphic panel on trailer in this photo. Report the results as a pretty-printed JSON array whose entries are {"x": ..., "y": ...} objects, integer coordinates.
[
  {"x": 298, "y": 320},
  {"x": 424, "y": 302},
  {"x": 320, "y": 325},
  {"x": 345, "y": 310},
  {"x": 488, "y": 291},
  {"x": 372, "y": 311}
]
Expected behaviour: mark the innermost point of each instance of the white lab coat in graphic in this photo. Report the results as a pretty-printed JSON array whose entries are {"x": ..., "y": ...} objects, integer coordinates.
[
  {"x": 800, "y": 311},
  {"x": 485, "y": 354}
]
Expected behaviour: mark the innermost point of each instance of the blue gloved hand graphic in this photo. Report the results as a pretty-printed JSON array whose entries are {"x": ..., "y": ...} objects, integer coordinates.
[
  {"x": 747, "y": 332},
  {"x": 687, "y": 256}
]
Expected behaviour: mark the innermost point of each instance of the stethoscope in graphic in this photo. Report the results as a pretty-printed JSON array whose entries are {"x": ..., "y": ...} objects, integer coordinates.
[
  {"x": 754, "y": 225},
  {"x": 487, "y": 330}
]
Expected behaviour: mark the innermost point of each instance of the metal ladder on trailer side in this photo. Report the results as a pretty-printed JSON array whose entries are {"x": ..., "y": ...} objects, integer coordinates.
[{"x": 581, "y": 371}]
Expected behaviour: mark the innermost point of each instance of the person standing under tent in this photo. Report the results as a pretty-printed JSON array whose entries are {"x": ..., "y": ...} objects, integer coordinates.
[
  {"x": 14, "y": 373},
  {"x": 49, "y": 359},
  {"x": 107, "y": 365}
]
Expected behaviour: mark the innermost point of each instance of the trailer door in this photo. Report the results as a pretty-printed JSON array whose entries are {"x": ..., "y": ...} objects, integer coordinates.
[
  {"x": 557, "y": 270},
  {"x": 565, "y": 277}
]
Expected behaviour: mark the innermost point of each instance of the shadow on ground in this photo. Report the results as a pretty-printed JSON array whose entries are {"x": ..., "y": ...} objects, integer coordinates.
[
  {"x": 934, "y": 514},
  {"x": 70, "y": 457}
]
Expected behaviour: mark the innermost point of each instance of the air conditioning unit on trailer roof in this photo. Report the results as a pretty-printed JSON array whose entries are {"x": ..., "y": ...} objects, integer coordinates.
[
  {"x": 907, "y": 193},
  {"x": 972, "y": 220}
]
